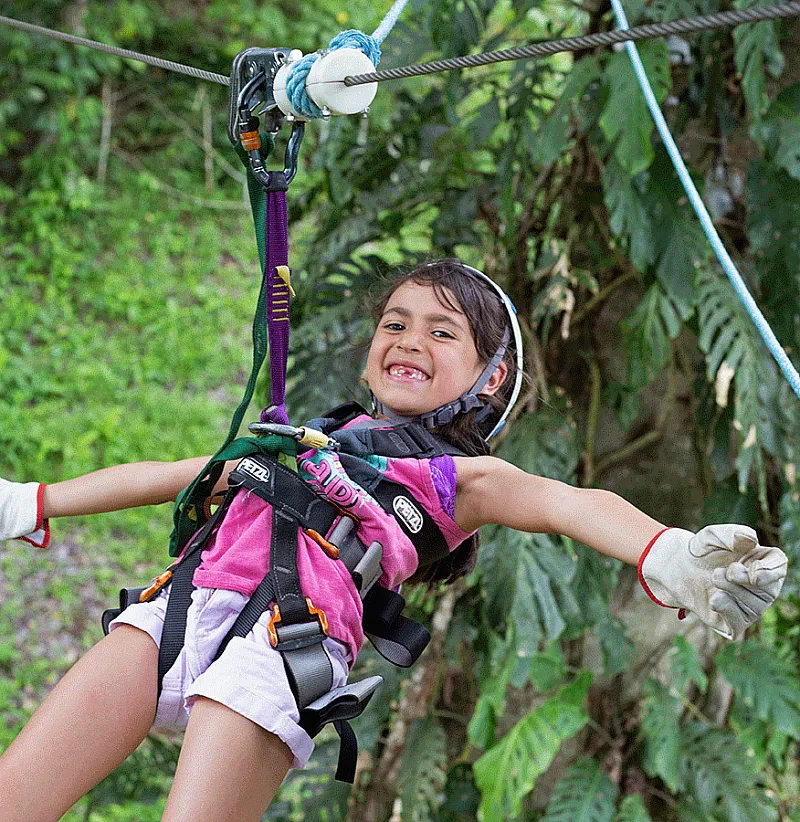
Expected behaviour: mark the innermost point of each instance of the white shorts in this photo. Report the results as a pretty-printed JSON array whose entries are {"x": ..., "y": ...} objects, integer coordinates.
[{"x": 248, "y": 678}]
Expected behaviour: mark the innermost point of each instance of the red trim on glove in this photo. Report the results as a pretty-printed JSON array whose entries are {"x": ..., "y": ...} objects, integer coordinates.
[
  {"x": 641, "y": 575},
  {"x": 40, "y": 506},
  {"x": 41, "y": 522}
]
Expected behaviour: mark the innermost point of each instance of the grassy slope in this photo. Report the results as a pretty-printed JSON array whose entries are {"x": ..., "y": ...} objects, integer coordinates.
[{"x": 126, "y": 336}]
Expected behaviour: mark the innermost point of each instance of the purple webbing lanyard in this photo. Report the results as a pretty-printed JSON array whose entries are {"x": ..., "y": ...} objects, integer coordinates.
[{"x": 278, "y": 303}]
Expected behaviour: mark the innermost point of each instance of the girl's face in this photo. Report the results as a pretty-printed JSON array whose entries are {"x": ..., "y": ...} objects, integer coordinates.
[{"x": 423, "y": 355}]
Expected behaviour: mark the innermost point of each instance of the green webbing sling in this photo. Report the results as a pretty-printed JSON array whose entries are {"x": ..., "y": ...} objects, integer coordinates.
[{"x": 189, "y": 515}]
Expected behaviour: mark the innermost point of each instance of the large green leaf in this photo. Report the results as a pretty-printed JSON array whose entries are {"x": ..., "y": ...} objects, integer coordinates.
[
  {"x": 583, "y": 794},
  {"x": 781, "y": 127},
  {"x": 494, "y": 683},
  {"x": 519, "y": 588},
  {"x": 661, "y": 730},
  {"x": 728, "y": 339},
  {"x": 648, "y": 332},
  {"x": 422, "y": 774},
  {"x": 685, "y": 666},
  {"x": 629, "y": 217},
  {"x": 772, "y": 228},
  {"x": 766, "y": 681},
  {"x": 508, "y": 772},
  {"x": 681, "y": 245},
  {"x": 719, "y": 777},
  {"x": 626, "y": 120},
  {"x": 550, "y": 137},
  {"x": 757, "y": 55}
]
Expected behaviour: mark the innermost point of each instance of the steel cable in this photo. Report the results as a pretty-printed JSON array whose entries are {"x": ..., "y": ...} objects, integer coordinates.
[
  {"x": 606, "y": 38},
  {"x": 170, "y": 65},
  {"x": 584, "y": 41}
]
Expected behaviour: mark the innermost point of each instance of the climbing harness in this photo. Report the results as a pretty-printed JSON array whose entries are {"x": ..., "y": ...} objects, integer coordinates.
[{"x": 296, "y": 626}]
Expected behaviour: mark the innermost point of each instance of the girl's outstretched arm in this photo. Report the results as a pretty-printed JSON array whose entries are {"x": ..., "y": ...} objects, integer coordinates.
[
  {"x": 491, "y": 490},
  {"x": 26, "y": 508},
  {"x": 121, "y": 486},
  {"x": 720, "y": 573}
]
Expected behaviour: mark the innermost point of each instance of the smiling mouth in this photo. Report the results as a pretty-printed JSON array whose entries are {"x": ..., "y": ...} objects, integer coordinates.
[{"x": 405, "y": 372}]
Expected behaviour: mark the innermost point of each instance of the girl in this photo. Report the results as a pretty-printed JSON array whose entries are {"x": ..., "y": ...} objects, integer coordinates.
[{"x": 445, "y": 352}]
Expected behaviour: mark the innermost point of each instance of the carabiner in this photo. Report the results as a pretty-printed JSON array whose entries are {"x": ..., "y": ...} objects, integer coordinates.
[{"x": 251, "y": 94}]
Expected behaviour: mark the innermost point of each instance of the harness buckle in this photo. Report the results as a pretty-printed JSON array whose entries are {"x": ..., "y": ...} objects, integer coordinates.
[
  {"x": 157, "y": 583},
  {"x": 275, "y": 619}
]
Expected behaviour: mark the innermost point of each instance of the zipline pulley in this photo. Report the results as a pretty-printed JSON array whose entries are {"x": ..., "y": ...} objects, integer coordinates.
[{"x": 252, "y": 96}]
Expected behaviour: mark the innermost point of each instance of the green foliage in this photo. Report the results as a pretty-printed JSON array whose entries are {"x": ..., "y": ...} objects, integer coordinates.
[
  {"x": 660, "y": 727},
  {"x": 685, "y": 666},
  {"x": 772, "y": 231},
  {"x": 765, "y": 680},
  {"x": 506, "y": 773},
  {"x": 648, "y": 332},
  {"x": 629, "y": 216},
  {"x": 313, "y": 793},
  {"x": 625, "y": 120},
  {"x": 757, "y": 56},
  {"x": 422, "y": 775},
  {"x": 141, "y": 778},
  {"x": 584, "y": 794},
  {"x": 632, "y": 809},
  {"x": 553, "y": 135},
  {"x": 727, "y": 338},
  {"x": 519, "y": 572},
  {"x": 719, "y": 778}
]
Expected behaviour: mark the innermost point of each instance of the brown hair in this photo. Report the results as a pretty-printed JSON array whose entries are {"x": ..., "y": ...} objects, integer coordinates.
[{"x": 456, "y": 288}]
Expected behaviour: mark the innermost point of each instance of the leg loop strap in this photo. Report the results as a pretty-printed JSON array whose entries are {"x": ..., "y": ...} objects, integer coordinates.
[{"x": 338, "y": 706}]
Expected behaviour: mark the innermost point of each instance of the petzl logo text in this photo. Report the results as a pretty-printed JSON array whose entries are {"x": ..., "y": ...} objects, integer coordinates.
[
  {"x": 408, "y": 513},
  {"x": 255, "y": 470}
]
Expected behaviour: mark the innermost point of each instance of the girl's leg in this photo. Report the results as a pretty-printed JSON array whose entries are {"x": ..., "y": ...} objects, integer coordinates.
[
  {"x": 91, "y": 721},
  {"x": 229, "y": 768}
]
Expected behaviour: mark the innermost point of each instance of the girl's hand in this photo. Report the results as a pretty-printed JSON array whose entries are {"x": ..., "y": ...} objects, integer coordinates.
[
  {"x": 720, "y": 573},
  {"x": 21, "y": 514}
]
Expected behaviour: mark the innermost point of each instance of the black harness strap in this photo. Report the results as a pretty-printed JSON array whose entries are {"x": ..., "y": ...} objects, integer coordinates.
[
  {"x": 299, "y": 633},
  {"x": 417, "y": 524},
  {"x": 404, "y": 440},
  {"x": 396, "y": 638},
  {"x": 173, "y": 634}
]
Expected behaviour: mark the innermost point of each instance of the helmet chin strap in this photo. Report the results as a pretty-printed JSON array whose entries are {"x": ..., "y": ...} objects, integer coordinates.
[{"x": 446, "y": 413}]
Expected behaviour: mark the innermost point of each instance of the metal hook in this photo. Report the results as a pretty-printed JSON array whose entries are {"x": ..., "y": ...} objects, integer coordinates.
[
  {"x": 260, "y": 65},
  {"x": 293, "y": 150}
]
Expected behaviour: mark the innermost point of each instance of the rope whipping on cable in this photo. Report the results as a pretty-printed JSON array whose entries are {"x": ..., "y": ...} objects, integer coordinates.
[
  {"x": 700, "y": 209},
  {"x": 296, "y": 91}
]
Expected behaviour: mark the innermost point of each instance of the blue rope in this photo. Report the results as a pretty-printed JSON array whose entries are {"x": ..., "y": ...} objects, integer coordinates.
[
  {"x": 387, "y": 24},
  {"x": 353, "y": 39},
  {"x": 738, "y": 283}
]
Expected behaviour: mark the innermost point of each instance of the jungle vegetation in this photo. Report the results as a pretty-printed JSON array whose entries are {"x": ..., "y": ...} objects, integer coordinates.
[{"x": 553, "y": 690}]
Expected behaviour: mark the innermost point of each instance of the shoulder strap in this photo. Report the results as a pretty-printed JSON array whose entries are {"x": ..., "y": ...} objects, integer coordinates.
[
  {"x": 406, "y": 440},
  {"x": 337, "y": 417},
  {"x": 188, "y": 516}
]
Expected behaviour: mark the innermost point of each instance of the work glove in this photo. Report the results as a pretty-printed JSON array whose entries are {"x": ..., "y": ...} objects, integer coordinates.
[
  {"x": 720, "y": 573},
  {"x": 21, "y": 513}
]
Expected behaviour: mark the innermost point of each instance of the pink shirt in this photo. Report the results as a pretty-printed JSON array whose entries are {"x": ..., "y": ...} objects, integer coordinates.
[{"x": 237, "y": 557}]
